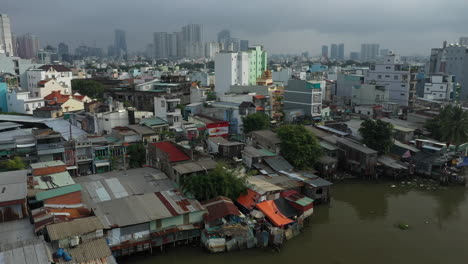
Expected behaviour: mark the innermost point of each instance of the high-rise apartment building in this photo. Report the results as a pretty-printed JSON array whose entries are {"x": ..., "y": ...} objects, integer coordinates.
[
  {"x": 369, "y": 52},
  {"x": 341, "y": 51},
  {"x": 463, "y": 41},
  {"x": 334, "y": 52},
  {"x": 120, "y": 42},
  {"x": 224, "y": 36},
  {"x": 244, "y": 45},
  {"x": 62, "y": 49},
  {"x": 231, "y": 68},
  {"x": 354, "y": 56},
  {"x": 452, "y": 60},
  {"x": 161, "y": 39},
  {"x": 393, "y": 75},
  {"x": 257, "y": 63},
  {"x": 6, "y": 41},
  {"x": 172, "y": 44},
  {"x": 28, "y": 46},
  {"x": 325, "y": 51}
]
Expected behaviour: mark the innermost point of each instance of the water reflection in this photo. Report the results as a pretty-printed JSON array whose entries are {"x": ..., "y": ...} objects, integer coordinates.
[{"x": 449, "y": 201}]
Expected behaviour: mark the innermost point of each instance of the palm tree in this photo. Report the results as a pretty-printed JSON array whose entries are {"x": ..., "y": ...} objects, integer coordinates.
[{"x": 454, "y": 125}]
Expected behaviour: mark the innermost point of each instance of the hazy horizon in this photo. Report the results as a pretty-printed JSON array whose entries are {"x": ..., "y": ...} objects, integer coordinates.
[{"x": 407, "y": 27}]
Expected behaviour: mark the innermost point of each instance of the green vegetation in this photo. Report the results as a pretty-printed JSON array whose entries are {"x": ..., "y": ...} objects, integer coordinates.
[
  {"x": 377, "y": 135},
  {"x": 15, "y": 163},
  {"x": 299, "y": 146},
  {"x": 211, "y": 96},
  {"x": 256, "y": 121},
  {"x": 220, "y": 181},
  {"x": 451, "y": 125},
  {"x": 137, "y": 155},
  {"x": 90, "y": 88}
]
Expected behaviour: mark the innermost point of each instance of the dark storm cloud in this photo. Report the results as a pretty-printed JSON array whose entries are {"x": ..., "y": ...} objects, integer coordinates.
[{"x": 283, "y": 26}]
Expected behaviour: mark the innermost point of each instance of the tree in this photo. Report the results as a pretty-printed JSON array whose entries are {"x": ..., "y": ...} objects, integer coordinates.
[
  {"x": 377, "y": 135},
  {"x": 451, "y": 125},
  {"x": 220, "y": 181},
  {"x": 299, "y": 146},
  {"x": 137, "y": 155},
  {"x": 15, "y": 163},
  {"x": 256, "y": 121},
  {"x": 210, "y": 96},
  {"x": 90, "y": 88}
]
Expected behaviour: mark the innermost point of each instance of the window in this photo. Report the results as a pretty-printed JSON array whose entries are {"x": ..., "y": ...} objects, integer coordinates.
[
  {"x": 319, "y": 191},
  {"x": 379, "y": 76},
  {"x": 387, "y": 76},
  {"x": 163, "y": 103},
  {"x": 395, "y": 77},
  {"x": 442, "y": 87},
  {"x": 388, "y": 68},
  {"x": 403, "y": 85},
  {"x": 440, "y": 95}
]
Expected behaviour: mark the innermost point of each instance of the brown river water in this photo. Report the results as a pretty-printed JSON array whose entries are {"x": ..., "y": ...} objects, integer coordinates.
[{"x": 360, "y": 226}]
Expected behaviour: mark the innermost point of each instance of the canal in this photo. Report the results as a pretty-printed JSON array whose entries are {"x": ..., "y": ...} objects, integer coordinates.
[{"x": 360, "y": 225}]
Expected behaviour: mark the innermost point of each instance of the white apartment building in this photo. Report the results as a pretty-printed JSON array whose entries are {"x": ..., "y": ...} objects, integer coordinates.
[
  {"x": 439, "y": 87},
  {"x": 19, "y": 101},
  {"x": 6, "y": 41},
  {"x": 166, "y": 109},
  {"x": 46, "y": 87},
  {"x": 231, "y": 68},
  {"x": 211, "y": 49},
  {"x": 61, "y": 74},
  {"x": 394, "y": 76}
]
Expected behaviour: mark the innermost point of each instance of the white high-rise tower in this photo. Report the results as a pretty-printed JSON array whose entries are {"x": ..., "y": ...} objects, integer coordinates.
[{"x": 6, "y": 43}]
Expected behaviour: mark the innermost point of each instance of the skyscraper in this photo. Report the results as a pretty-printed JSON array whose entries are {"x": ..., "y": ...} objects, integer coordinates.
[
  {"x": 160, "y": 45},
  {"x": 192, "y": 33},
  {"x": 334, "y": 52},
  {"x": 120, "y": 42},
  {"x": 244, "y": 45},
  {"x": 28, "y": 45},
  {"x": 324, "y": 51},
  {"x": 6, "y": 43},
  {"x": 341, "y": 51},
  {"x": 172, "y": 44},
  {"x": 224, "y": 36},
  {"x": 62, "y": 49},
  {"x": 369, "y": 52}
]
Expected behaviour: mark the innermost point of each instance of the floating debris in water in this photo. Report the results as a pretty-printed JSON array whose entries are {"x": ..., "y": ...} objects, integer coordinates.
[
  {"x": 403, "y": 226},
  {"x": 393, "y": 186}
]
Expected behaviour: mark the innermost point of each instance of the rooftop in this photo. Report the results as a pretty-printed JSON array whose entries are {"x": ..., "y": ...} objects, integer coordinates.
[
  {"x": 153, "y": 121},
  {"x": 75, "y": 227},
  {"x": 58, "y": 192},
  {"x": 47, "y": 164},
  {"x": 195, "y": 166},
  {"x": 261, "y": 185},
  {"x": 13, "y": 185},
  {"x": 278, "y": 163},
  {"x": 142, "y": 130},
  {"x": 356, "y": 146},
  {"x": 54, "y": 180},
  {"x": 220, "y": 207},
  {"x": 267, "y": 134},
  {"x": 59, "y": 68},
  {"x": 175, "y": 155},
  {"x": 96, "y": 249},
  {"x": 8, "y": 125}
]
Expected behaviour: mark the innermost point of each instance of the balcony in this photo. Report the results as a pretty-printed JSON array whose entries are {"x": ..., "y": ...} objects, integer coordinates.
[
  {"x": 44, "y": 149},
  {"x": 174, "y": 111}
]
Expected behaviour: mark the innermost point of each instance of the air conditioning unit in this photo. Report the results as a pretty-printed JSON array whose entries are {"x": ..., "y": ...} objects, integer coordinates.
[{"x": 74, "y": 241}]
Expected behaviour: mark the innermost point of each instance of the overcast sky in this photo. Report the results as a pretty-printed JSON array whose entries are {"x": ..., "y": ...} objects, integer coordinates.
[{"x": 288, "y": 26}]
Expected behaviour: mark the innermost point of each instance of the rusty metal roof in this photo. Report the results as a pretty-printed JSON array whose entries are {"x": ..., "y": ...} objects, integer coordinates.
[
  {"x": 96, "y": 249},
  {"x": 73, "y": 228}
]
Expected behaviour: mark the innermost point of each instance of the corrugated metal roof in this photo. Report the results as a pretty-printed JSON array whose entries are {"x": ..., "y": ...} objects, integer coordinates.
[
  {"x": 8, "y": 125},
  {"x": 63, "y": 127},
  {"x": 278, "y": 163},
  {"x": 267, "y": 135},
  {"x": 60, "y": 179},
  {"x": 356, "y": 146},
  {"x": 319, "y": 182},
  {"x": 261, "y": 186},
  {"x": 175, "y": 155},
  {"x": 58, "y": 192},
  {"x": 33, "y": 251},
  {"x": 220, "y": 207},
  {"x": 196, "y": 166},
  {"x": 142, "y": 130},
  {"x": 73, "y": 228},
  {"x": 13, "y": 185},
  {"x": 96, "y": 249}
]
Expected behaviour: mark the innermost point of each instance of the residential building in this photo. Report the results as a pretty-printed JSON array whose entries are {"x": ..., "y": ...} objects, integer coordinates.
[
  {"x": 282, "y": 75},
  {"x": 305, "y": 95},
  {"x": 244, "y": 45},
  {"x": 13, "y": 196},
  {"x": 325, "y": 51},
  {"x": 49, "y": 145},
  {"x": 63, "y": 50},
  {"x": 266, "y": 139},
  {"x": 6, "y": 40},
  {"x": 463, "y": 41},
  {"x": 369, "y": 52},
  {"x": 161, "y": 41},
  {"x": 19, "y": 101},
  {"x": 67, "y": 102},
  {"x": 334, "y": 52},
  {"x": 232, "y": 69},
  {"x": 452, "y": 60},
  {"x": 47, "y": 86},
  {"x": 211, "y": 49},
  {"x": 439, "y": 87},
  {"x": 358, "y": 158},
  {"x": 395, "y": 76},
  {"x": 205, "y": 78},
  {"x": 384, "y": 52},
  {"x": 369, "y": 94},
  {"x": 48, "y": 112},
  {"x": 28, "y": 46},
  {"x": 257, "y": 63},
  {"x": 224, "y": 36},
  {"x": 61, "y": 74},
  {"x": 224, "y": 148},
  {"x": 17, "y": 66},
  {"x": 120, "y": 42},
  {"x": 341, "y": 52},
  {"x": 168, "y": 108}
]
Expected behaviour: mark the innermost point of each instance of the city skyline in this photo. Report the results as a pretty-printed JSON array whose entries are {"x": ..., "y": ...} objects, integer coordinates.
[{"x": 419, "y": 32}]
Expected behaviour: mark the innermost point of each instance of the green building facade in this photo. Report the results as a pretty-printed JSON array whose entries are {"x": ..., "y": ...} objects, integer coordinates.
[{"x": 258, "y": 63}]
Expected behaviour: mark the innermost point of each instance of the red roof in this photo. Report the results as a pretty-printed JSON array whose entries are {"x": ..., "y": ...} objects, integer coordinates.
[
  {"x": 259, "y": 108},
  {"x": 219, "y": 207},
  {"x": 175, "y": 154},
  {"x": 58, "y": 97},
  {"x": 259, "y": 96},
  {"x": 249, "y": 200},
  {"x": 273, "y": 213},
  {"x": 43, "y": 82}
]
